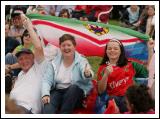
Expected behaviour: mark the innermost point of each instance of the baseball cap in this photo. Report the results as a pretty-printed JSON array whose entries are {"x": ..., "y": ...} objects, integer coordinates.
[{"x": 23, "y": 51}]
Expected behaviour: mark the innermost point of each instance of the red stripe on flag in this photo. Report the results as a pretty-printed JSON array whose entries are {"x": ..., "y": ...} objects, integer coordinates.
[{"x": 37, "y": 22}]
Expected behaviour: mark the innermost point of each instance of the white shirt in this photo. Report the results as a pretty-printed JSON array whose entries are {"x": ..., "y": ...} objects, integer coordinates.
[
  {"x": 133, "y": 16},
  {"x": 64, "y": 76},
  {"x": 153, "y": 21},
  {"x": 27, "y": 88},
  {"x": 50, "y": 51}
]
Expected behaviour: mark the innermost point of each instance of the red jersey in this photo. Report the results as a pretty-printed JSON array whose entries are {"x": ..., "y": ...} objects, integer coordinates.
[{"x": 119, "y": 80}]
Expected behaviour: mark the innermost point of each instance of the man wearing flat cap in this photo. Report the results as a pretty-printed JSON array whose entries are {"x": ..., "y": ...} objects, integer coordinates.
[{"x": 27, "y": 88}]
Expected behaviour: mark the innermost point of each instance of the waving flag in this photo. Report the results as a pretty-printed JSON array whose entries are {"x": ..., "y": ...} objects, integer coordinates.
[{"x": 91, "y": 37}]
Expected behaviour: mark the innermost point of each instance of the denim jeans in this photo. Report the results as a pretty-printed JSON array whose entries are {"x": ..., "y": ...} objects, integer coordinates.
[
  {"x": 101, "y": 103},
  {"x": 12, "y": 59},
  {"x": 120, "y": 101},
  {"x": 63, "y": 101}
]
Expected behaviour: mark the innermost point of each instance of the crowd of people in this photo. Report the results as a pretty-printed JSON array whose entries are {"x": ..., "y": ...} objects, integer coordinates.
[{"x": 36, "y": 83}]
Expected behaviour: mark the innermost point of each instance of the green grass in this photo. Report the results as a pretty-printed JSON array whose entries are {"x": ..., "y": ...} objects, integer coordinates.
[
  {"x": 94, "y": 62},
  {"x": 114, "y": 22}
]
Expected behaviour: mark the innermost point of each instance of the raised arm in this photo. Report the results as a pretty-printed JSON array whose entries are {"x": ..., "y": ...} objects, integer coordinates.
[
  {"x": 38, "y": 50},
  {"x": 150, "y": 45}
]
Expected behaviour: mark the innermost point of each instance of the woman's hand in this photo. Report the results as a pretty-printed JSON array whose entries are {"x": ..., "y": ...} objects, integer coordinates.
[
  {"x": 87, "y": 71},
  {"x": 108, "y": 70},
  {"x": 150, "y": 44},
  {"x": 46, "y": 99}
]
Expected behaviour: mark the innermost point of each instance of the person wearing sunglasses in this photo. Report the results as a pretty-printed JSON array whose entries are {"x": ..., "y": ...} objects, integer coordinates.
[{"x": 10, "y": 58}]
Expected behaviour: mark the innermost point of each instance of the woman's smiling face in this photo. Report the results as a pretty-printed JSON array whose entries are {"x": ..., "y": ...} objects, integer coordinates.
[
  {"x": 67, "y": 48},
  {"x": 113, "y": 50}
]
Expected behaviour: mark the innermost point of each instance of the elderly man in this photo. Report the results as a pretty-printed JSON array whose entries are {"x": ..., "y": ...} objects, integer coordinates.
[{"x": 27, "y": 88}]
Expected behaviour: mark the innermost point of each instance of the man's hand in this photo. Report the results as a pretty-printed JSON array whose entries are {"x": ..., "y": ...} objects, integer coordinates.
[
  {"x": 46, "y": 99},
  {"x": 25, "y": 20},
  {"x": 7, "y": 69}
]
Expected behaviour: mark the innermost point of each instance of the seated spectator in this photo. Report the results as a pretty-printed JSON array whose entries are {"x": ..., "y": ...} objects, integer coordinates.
[
  {"x": 49, "y": 9},
  {"x": 138, "y": 101},
  {"x": 26, "y": 91},
  {"x": 11, "y": 59},
  {"x": 116, "y": 73},
  {"x": 10, "y": 42},
  {"x": 64, "y": 13},
  {"x": 146, "y": 21},
  {"x": 58, "y": 8},
  {"x": 150, "y": 21},
  {"x": 67, "y": 80},
  {"x": 17, "y": 28},
  {"x": 130, "y": 17}
]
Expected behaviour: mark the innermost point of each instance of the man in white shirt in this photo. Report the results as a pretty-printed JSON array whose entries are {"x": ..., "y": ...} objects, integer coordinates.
[{"x": 27, "y": 88}]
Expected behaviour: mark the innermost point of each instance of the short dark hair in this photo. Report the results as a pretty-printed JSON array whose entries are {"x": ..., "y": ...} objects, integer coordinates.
[
  {"x": 17, "y": 10},
  {"x": 64, "y": 11},
  {"x": 24, "y": 33},
  {"x": 122, "y": 61},
  {"x": 139, "y": 96},
  {"x": 67, "y": 37}
]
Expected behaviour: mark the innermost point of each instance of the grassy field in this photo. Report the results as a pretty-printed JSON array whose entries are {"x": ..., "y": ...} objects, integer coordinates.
[
  {"x": 94, "y": 62},
  {"x": 114, "y": 22}
]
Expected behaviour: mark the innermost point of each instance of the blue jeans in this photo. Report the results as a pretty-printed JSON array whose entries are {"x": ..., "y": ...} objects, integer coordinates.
[
  {"x": 102, "y": 103},
  {"x": 63, "y": 101},
  {"x": 12, "y": 59},
  {"x": 120, "y": 101}
]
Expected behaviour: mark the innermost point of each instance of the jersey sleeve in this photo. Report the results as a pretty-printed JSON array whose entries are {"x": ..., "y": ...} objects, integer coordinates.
[{"x": 140, "y": 70}]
